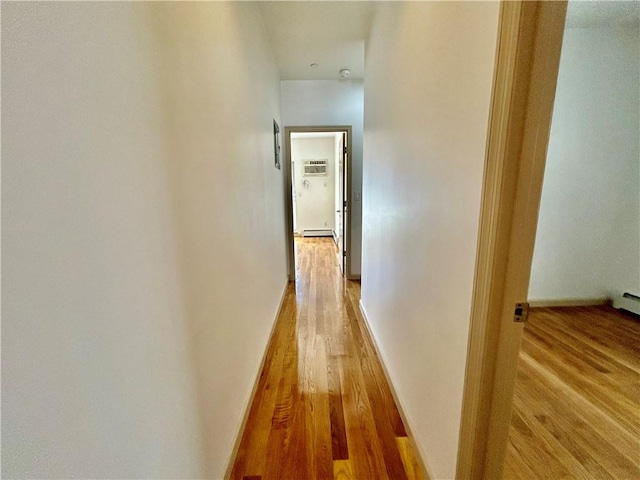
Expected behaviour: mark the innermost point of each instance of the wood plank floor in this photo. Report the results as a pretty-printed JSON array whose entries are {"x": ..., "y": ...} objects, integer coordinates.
[
  {"x": 577, "y": 402},
  {"x": 323, "y": 408}
]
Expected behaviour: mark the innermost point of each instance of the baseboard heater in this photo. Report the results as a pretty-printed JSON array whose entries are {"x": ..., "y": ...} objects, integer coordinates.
[
  {"x": 627, "y": 301},
  {"x": 317, "y": 232}
]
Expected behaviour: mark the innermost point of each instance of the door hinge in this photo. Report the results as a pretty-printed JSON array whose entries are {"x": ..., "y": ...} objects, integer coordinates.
[
  {"x": 344, "y": 253},
  {"x": 345, "y": 204},
  {"x": 521, "y": 312},
  {"x": 344, "y": 150}
]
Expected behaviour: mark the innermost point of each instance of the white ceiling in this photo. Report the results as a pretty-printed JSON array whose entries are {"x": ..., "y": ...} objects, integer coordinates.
[
  {"x": 611, "y": 13},
  {"x": 331, "y": 34}
]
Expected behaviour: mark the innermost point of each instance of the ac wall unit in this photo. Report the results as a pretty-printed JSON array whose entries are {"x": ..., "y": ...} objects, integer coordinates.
[{"x": 314, "y": 168}]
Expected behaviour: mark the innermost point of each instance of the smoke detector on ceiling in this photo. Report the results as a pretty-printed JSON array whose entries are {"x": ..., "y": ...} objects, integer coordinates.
[{"x": 345, "y": 73}]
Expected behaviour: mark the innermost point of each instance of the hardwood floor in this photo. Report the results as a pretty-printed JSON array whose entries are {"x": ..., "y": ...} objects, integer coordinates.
[
  {"x": 577, "y": 402},
  {"x": 323, "y": 408}
]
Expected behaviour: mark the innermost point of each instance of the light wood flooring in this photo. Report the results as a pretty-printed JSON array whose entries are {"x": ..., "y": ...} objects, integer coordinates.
[
  {"x": 323, "y": 408},
  {"x": 577, "y": 402}
]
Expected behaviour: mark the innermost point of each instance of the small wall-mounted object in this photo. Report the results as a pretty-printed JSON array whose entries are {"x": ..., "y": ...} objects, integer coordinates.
[
  {"x": 276, "y": 144},
  {"x": 315, "y": 168}
]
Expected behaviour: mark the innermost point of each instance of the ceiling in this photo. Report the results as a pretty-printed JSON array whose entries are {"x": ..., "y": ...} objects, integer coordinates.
[
  {"x": 582, "y": 13},
  {"x": 331, "y": 34}
]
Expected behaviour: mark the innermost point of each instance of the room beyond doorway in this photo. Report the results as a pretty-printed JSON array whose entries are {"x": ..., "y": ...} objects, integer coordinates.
[{"x": 317, "y": 189}]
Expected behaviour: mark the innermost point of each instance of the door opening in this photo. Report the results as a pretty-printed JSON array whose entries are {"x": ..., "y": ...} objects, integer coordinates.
[
  {"x": 317, "y": 186},
  {"x": 529, "y": 41}
]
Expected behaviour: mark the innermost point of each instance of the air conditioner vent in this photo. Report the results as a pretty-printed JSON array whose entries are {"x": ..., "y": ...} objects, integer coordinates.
[{"x": 315, "y": 167}]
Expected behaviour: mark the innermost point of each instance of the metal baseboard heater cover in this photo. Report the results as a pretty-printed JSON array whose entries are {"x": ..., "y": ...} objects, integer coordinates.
[
  {"x": 627, "y": 301},
  {"x": 317, "y": 232}
]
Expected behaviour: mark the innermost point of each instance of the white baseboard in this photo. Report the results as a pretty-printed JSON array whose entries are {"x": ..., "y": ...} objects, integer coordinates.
[
  {"x": 317, "y": 232},
  {"x": 383, "y": 362},
  {"x": 570, "y": 302},
  {"x": 628, "y": 302},
  {"x": 249, "y": 402}
]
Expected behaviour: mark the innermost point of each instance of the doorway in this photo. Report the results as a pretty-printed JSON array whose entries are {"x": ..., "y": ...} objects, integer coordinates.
[
  {"x": 530, "y": 42},
  {"x": 317, "y": 189},
  {"x": 578, "y": 367}
]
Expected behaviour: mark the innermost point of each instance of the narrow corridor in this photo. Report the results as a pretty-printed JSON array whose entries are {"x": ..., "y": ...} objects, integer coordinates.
[{"x": 323, "y": 408}]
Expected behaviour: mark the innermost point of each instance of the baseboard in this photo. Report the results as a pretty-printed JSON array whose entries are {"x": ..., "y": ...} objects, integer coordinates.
[
  {"x": 570, "y": 302},
  {"x": 317, "y": 232},
  {"x": 383, "y": 362},
  {"x": 628, "y": 302},
  {"x": 247, "y": 409}
]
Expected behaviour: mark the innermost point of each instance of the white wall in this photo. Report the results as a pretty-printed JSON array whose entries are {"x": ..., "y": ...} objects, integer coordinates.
[
  {"x": 429, "y": 70},
  {"x": 140, "y": 208},
  {"x": 229, "y": 198},
  {"x": 332, "y": 102},
  {"x": 588, "y": 239},
  {"x": 315, "y": 204},
  {"x": 96, "y": 370}
]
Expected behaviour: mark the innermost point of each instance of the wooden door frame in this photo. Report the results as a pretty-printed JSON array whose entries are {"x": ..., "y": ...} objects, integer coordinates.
[
  {"x": 346, "y": 212},
  {"x": 525, "y": 78}
]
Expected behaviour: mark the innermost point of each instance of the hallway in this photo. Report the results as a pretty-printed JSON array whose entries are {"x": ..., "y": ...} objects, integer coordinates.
[
  {"x": 145, "y": 183},
  {"x": 323, "y": 408}
]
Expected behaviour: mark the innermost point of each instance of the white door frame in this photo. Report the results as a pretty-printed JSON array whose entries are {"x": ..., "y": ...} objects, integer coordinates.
[
  {"x": 339, "y": 180},
  {"x": 525, "y": 78},
  {"x": 346, "y": 213}
]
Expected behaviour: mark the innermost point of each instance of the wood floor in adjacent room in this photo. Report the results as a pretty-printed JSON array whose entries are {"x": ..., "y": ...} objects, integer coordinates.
[
  {"x": 323, "y": 408},
  {"x": 577, "y": 402}
]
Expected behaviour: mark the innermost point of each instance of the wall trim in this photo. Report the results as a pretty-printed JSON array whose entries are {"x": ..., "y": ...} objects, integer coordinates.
[
  {"x": 570, "y": 302},
  {"x": 247, "y": 409},
  {"x": 383, "y": 361}
]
